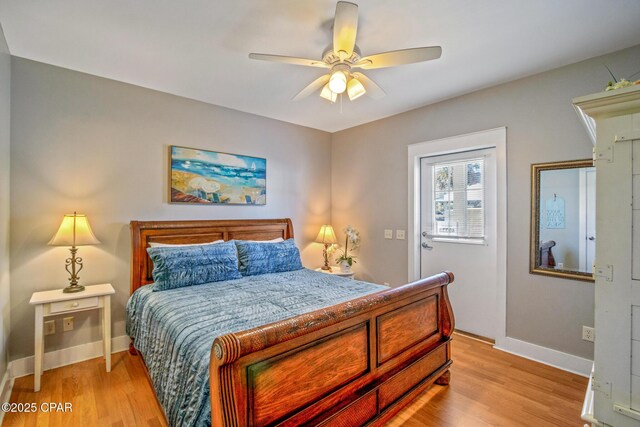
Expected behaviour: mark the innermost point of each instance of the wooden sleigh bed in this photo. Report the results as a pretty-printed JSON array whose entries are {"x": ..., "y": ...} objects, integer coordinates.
[{"x": 355, "y": 363}]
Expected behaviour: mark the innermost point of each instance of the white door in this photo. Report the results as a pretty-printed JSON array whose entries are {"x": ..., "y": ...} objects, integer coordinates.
[
  {"x": 587, "y": 217},
  {"x": 458, "y": 233},
  {"x": 591, "y": 218}
]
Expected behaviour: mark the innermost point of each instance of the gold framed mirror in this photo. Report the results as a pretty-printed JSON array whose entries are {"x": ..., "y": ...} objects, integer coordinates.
[{"x": 563, "y": 219}]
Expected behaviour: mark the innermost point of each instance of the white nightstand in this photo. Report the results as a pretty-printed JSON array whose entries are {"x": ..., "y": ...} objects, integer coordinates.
[
  {"x": 50, "y": 303},
  {"x": 336, "y": 272}
]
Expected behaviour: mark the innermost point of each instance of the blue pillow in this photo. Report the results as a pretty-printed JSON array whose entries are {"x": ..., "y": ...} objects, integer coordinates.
[
  {"x": 261, "y": 258},
  {"x": 176, "y": 267}
]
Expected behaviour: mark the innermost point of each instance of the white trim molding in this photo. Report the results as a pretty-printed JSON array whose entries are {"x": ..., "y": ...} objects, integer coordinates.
[
  {"x": 565, "y": 361},
  {"x": 67, "y": 356},
  {"x": 473, "y": 141}
]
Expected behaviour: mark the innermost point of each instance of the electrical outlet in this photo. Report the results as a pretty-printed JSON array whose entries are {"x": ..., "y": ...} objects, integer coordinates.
[
  {"x": 50, "y": 327},
  {"x": 388, "y": 234},
  {"x": 67, "y": 324},
  {"x": 400, "y": 234},
  {"x": 588, "y": 334}
]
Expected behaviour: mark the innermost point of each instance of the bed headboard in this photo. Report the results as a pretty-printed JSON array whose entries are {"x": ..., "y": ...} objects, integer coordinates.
[{"x": 143, "y": 232}]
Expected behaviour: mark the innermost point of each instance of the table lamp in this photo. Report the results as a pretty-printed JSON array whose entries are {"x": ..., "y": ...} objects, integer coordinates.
[
  {"x": 74, "y": 231},
  {"x": 327, "y": 237}
]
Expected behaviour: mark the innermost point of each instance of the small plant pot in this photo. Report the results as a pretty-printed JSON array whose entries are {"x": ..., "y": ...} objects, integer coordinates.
[{"x": 345, "y": 267}]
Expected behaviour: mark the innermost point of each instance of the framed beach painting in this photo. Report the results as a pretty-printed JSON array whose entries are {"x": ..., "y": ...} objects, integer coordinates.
[{"x": 211, "y": 177}]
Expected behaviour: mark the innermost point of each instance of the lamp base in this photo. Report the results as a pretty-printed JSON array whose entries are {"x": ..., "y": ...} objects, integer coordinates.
[
  {"x": 325, "y": 255},
  {"x": 73, "y": 288}
]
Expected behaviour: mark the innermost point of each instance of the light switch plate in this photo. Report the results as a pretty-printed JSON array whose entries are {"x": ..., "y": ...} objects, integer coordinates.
[
  {"x": 388, "y": 234},
  {"x": 400, "y": 234}
]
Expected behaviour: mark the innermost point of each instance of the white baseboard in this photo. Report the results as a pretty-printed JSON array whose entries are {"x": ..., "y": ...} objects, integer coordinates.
[
  {"x": 6, "y": 384},
  {"x": 557, "y": 359},
  {"x": 67, "y": 356}
]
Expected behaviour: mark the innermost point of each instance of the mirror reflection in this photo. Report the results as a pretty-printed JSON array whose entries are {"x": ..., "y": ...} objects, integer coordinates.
[{"x": 563, "y": 219}]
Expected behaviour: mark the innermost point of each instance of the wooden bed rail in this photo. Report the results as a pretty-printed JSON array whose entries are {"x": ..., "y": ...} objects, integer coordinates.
[
  {"x": 230, "y": 347},
  {"x": 364, "y": 358}
]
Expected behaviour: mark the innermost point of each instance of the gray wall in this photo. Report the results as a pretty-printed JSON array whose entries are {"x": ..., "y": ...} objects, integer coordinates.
[
  {"x": 369, "y": 185},
  {"x": 5, "y": 107},
  {"x": 100, "y": 147}
]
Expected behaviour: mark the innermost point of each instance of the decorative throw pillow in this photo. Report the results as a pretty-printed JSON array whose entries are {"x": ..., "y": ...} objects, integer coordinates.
[
  {"x": 258, "y": 258},
  {"x": 176, "y": 267}
]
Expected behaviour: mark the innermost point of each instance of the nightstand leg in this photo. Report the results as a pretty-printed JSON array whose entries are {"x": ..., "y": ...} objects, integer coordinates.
[
  {"x": 104, "y": 342},
  {"x": 39, "y": 348},
  {"x": 106, "y": 320}
]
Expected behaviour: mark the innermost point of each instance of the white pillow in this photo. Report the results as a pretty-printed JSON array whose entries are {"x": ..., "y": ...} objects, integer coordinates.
[
  {"x": 159, "y": 245},
  {"x": 276, "y": 240}
]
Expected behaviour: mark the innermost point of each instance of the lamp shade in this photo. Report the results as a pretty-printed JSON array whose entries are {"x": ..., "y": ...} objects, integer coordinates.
[
  {"x": 327, "y": 94},
  {"x": 355, "y": 89},
  {"x": 326, "y": 235},
  {"x": 74, "y": 231}
]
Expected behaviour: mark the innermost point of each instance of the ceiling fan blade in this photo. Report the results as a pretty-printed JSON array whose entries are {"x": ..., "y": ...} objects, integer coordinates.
[
  {"x": 345, "y": 27},
  {"x": 312, "y": 87},
  {"x": 399, "y": 57},
  {"x": 373, "y": 90},
  {"x": 289, "y": 60}
]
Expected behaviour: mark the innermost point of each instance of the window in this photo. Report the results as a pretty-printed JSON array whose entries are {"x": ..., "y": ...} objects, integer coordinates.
[{"x": 458, "y": 199}]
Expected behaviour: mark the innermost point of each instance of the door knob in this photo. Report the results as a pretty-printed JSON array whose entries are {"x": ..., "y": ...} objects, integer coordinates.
[
  {"x": 426, "y": 245},
  {"x": 592, "y": 238}
]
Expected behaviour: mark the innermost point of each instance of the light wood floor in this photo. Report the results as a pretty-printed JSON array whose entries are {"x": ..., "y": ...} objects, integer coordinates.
[
  {"x": 493, "y": 388},
  {"x": 488, "y": 387}
]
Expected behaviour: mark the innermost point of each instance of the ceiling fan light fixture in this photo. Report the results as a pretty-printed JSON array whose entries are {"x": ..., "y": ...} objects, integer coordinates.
[
  {"x": 338, "y": 82},
  {"x": 343, "y": 58},
  {"x": 328, "y": 94},
  {"x": 355, "y": 89}
]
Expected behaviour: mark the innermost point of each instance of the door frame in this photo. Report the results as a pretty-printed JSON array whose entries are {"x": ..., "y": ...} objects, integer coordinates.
[{"x": 472, "y": 141}]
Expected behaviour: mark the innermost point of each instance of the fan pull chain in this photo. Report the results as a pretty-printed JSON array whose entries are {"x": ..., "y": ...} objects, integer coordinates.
[{"x": 340, "y": 103}]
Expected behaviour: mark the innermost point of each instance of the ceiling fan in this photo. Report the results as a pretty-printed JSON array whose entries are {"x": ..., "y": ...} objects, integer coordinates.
[{"x": 344, "y": 56}]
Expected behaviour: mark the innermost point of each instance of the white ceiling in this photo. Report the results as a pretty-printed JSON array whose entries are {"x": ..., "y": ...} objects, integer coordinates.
[{"x": 198, "y": 48}]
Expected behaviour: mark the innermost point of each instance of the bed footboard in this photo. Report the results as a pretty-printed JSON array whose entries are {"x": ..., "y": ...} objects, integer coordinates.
[{"x": 354, "y": 363}]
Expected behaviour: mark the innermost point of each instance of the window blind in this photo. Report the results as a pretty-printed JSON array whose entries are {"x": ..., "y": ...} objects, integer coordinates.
[{"x": 458, "y": 199}]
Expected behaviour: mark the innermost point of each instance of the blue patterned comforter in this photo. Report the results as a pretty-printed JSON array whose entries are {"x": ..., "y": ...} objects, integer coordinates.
[{"x": 174, "y": 329}]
